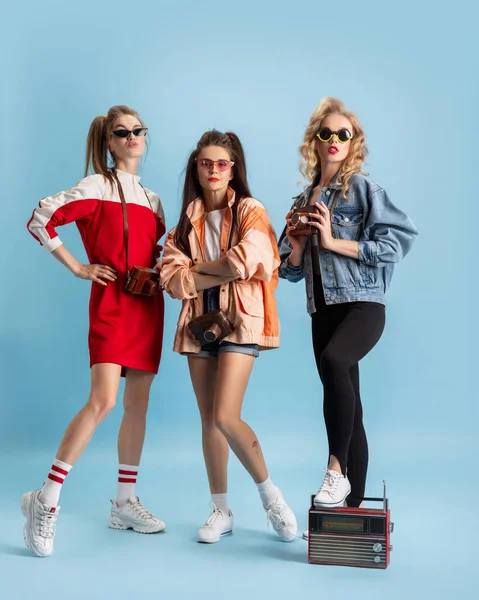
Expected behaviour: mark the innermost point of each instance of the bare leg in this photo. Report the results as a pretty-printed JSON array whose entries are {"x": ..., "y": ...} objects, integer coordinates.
[
  {"x": 133, "y": 424},
  {"x": 105, "y": 379},
  {"x": 203, "y": 372},
  {"x": 228, "y": 379},
  {"x": 234, "y": 370},
  {"x": 40, "y": 507},
  {"x": 334, "y": 464}
]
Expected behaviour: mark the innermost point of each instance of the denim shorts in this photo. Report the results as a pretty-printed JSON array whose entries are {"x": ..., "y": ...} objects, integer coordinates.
[
  {"x": 214, "y": 349},
  {"x": 211, "y": 301}
]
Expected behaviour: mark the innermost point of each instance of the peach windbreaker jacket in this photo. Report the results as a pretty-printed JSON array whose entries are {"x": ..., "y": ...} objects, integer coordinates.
[{"x": 248, "y": 301}]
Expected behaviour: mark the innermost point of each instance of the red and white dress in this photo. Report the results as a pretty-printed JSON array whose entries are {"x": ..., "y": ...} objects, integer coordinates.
[{"x": 124, "y": 329}]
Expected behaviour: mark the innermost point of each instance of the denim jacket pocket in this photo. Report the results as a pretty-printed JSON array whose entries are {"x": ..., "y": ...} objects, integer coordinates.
[
  {"x": 347, "y": 272},
  {"x": 250, "y": 296},
  {"x": 370, "y": 275},
  {"x": 347, "y": 224}
]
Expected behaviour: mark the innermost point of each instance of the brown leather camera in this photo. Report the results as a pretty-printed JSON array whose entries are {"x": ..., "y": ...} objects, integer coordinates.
[
  {"x": 300, "y": 220},
  {"x": 143, "y": 281},
  {"x": 210, "y": 327}
]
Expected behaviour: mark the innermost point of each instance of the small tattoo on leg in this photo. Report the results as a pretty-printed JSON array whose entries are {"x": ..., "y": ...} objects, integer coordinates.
[{"x": 256, "y": 447}]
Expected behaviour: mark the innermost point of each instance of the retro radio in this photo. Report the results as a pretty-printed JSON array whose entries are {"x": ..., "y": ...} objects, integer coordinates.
[{"x": 351, "y": 537}]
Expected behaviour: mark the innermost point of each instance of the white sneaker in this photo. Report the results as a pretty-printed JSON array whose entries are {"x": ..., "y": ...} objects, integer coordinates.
[
  {"x": 334, "y": 490},
  {"x": 217, "y": 525},
  {"x": 132, "y": 515},
  {"x": 39, "y": 530},
  {"x": 282, "y": 519}
]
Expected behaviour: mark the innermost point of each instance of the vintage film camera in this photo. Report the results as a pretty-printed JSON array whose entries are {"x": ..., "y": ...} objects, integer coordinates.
[
  {"x": 210, "y": 327},
  {"x": 142, "y": 281},
  {"x": 350, "y": 537},
  {"x": 300, "y": 220}
]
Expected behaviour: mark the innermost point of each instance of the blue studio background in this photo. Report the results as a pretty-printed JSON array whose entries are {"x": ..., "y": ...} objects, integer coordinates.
[{"x": 259, "y": 69}]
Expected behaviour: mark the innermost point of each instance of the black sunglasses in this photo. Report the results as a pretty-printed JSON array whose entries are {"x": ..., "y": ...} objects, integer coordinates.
[
  {"x": 343, "y": 135},
  {"x": 124, "y": 133}
]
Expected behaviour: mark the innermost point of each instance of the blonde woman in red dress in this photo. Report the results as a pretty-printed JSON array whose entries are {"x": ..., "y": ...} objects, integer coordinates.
[{"x": 126, "y": 331}]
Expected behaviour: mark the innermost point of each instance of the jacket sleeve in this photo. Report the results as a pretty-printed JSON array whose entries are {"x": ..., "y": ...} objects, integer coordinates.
[
  {"x": 286, "y": 269},
  {"x": 388, "y": 233},
  {"x": 256, "y": 254},
  {"x": 176, "y": 276},
  {"x": 76, "y": 204}
]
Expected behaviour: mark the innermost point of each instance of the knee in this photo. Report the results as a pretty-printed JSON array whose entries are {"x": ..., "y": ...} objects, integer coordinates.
[
  {"x": 332, "y": 362},
  {"x": 208, "y": 420},
  {"x": 101, "y": 405},
  {"x": 137, "y": 407},
  {"x": 225, "y": 423}
]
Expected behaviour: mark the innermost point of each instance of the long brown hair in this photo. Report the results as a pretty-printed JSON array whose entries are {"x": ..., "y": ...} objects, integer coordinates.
[
  {"x": 310, "y": 165},
  {"x": 97, "y": 141},
  {"x": 192, "y": 188}
]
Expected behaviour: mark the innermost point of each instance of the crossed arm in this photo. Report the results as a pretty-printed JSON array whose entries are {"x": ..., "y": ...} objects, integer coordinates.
[
  {"x": 210, "y": 274},
  {"x": 213, "y": 273}
]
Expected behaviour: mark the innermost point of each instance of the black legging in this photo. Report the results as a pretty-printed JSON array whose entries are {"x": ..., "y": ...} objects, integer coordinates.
[{"x": 342, "y": 335}]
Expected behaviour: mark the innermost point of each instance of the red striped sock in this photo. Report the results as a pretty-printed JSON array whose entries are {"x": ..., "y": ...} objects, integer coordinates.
[
  {"x": 127, "y": 475},
  {"x": 52, "y": 487}
]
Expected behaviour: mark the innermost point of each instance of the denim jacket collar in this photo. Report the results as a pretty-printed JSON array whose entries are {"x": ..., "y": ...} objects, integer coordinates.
[{"x": 334, "y": 185}]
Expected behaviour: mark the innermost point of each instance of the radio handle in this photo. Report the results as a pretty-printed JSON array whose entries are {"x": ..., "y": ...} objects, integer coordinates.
[
  {"x": 384, "y": 500},
  {"x": 371, "y": 499},
  {"x": 363, "y": 499}
]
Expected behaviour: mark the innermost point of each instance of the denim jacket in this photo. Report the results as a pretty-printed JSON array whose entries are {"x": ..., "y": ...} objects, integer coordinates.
[{"x": 384, "y": 233}]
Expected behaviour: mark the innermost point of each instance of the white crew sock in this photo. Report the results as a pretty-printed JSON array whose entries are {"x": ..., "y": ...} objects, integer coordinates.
[
  {"x": 127, "y": 475},
  {"x": 268, "y": 492},
  {"x": 52, "y": 487},
  {"x": 221, "y": 502}
]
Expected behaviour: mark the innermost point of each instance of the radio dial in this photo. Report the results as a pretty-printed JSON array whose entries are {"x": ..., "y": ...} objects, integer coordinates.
[{"x": 377, "y": 547}]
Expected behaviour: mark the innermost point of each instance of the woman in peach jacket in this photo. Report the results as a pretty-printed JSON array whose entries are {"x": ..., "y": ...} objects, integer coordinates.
[{"x": 223, "y": 255}]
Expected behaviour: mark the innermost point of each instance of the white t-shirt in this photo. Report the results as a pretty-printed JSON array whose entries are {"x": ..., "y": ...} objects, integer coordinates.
[{"x": 213, "y": 224}]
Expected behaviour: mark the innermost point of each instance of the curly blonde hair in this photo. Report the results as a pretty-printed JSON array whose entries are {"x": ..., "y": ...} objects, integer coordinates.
[{"x": 310, "y": 165}]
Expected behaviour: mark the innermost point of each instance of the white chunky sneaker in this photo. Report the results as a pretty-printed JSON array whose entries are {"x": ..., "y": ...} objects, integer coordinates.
[
  {"x": 132, "y": 515},
  {"x": 282, "y": 519},
  {"x": 334, "y": 490},
  {"x": 217, "y": 526},
  {"x": 39, "y": 530}
]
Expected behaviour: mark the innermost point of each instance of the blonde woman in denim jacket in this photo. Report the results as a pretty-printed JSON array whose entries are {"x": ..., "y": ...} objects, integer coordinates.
[
  {"x": 223, "y": 255},
  {"x": 347, "y": 268}
]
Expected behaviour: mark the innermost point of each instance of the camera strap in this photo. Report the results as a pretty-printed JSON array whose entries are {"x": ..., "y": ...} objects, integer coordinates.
[{"x": 125, "y": 217}]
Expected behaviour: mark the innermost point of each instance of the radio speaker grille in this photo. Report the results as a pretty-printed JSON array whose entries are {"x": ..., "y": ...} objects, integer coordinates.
[{"x": 347, "y": 550}]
